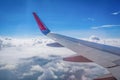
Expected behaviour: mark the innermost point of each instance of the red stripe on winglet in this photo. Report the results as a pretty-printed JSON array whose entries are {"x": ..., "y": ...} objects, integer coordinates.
[{"x": 39, "y": 22}]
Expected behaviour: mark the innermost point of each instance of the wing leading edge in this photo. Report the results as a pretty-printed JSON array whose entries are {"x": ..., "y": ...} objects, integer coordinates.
[{"x": 105, "y": 55}]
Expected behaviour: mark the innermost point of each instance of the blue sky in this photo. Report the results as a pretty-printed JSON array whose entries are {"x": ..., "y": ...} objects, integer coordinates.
[{"x": 80, "y": 18}]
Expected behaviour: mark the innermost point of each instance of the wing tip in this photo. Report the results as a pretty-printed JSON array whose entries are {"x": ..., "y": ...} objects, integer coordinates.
[
  {"x": 42, "y": 27},
  {"x": 34, "y": 13}
]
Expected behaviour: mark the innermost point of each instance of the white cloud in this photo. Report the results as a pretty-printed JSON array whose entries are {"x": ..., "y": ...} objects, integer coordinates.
[
  {"x": 105, "y": 26},
  {"x": 112, "y": 42},
  {"x": 8, "y": 67},
  {"x": 34, "y": 69},
  {"x": 72, "y": 77},
  {"x": 116, "y": 13},
  {"x": 48, "y": 74},
  {"x": 55, "y": 68},
  {"x": 37, "y": 68},
  {"x": 94, "y": 38},
  {"x": 27, "y": 74}
]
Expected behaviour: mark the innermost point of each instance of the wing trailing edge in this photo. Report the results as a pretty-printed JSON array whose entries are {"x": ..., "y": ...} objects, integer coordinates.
[{"x": 106, "y": 77}]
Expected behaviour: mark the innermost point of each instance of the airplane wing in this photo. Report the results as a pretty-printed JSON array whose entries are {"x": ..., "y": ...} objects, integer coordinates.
[{"x": 104, "y": 55}]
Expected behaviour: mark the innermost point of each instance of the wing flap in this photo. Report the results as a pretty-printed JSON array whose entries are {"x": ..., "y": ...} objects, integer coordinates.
[
  {"x": 115, "y": 71},
  {"x": 106, "y": 77},
  {"x": 77, "y": 59}
]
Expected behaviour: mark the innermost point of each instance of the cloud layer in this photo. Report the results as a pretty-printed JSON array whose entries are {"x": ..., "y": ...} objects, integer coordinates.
[{"x": 32, "y": 59}]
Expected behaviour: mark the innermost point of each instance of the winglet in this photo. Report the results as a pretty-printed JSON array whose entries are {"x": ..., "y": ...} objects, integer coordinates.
[{"x": 42, "y": 27}]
